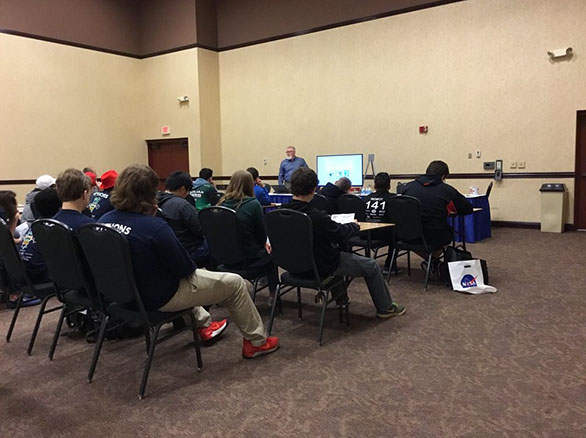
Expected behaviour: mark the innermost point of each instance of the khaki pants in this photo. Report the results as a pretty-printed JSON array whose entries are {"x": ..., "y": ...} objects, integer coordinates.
[{"x": 204, "y": 288}]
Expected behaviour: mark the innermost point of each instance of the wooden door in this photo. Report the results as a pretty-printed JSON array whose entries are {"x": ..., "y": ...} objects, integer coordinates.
[
  {"x": 168, "y": 155},
  {"x": 580, "y": 186}
]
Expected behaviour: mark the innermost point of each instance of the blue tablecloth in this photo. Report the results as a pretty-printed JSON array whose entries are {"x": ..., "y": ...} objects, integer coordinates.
[
  {"x": 475, "y": 226},
  {"x": 280, "y": 199}
]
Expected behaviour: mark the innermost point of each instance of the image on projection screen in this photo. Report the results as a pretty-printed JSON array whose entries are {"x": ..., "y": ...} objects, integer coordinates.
[{"x": 331, "y": 168}]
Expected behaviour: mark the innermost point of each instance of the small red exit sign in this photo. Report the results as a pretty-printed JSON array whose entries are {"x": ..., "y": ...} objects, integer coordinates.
[{"x": 165, "y": 130}]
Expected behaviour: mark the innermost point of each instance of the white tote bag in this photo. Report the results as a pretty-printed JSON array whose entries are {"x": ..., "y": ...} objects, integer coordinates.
[{"x": 467, "y": 277}]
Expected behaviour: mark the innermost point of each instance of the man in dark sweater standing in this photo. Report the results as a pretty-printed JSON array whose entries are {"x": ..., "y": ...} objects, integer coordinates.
[
  {"x": 182, "y": 217},
  {"x": 438, "y": 199},
  {"x": 328, "y": 239},
  {"x": 167, "y": 278}
]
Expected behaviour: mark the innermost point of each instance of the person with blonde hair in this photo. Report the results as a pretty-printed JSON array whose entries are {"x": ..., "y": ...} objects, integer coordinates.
[
  {"x": 166, "y": 276},
  {"x": 253, "y": 237}
]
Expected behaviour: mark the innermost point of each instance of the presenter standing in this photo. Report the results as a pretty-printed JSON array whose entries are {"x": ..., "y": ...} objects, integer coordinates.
[{"x": 290, "y": 165}]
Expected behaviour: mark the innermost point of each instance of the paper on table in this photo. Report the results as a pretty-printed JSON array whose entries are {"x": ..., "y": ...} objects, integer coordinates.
[{"x": 343, "y": 218}]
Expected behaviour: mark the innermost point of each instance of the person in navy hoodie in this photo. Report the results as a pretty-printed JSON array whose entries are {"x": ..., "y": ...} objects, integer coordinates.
[
  {"x": 167, "y": 278},
  {"x": 47, "y": 204},
  {"x": 74, "y": 189},
  {"x": 100, "y": 201}
]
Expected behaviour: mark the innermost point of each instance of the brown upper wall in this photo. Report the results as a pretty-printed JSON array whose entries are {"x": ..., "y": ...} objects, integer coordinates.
[
  {"x": 241, "y": 22},
  {"x": 104, "y": 24},
  {"x": 142, "y": 28},
  {"x": 131, "y": 27},
  {"x": 166, "y": 25},
  {"x": 207, "y": 25}
]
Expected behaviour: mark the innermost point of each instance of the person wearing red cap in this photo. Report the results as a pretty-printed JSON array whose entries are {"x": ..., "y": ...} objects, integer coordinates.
[
  {"x": 93, "y": 178},
  {"x": 100, "y": 202}
]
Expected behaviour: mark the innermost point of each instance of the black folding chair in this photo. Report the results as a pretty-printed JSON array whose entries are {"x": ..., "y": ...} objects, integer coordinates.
[
  {"x": 61, "y": 252},
  {"x": 20, "y": 280},
  {"x": 489, "y": 189},
  {"x": 405, "y": 213},
  {"x": 319, "y": 201},
  {"x": 291, "y": 236},
  {"x": 354, "y": 204},
  {"x": 108, "y": 255},
  {"x": 222, "y": 231}
]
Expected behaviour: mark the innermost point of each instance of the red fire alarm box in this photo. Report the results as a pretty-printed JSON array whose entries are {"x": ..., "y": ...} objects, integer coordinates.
[{"x": 423, "y": 129}]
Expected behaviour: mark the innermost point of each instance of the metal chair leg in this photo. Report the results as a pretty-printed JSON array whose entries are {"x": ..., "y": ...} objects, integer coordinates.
[
  {"x": 427, "y": 270},
  {"x": 273, "y": 308},
  {"x": 57, "y": 333},
  {"x": 14, "y": 316},
  {"x": 347, "y": 308},
  {"x": 255, "y": 284},
  {"x": 147, "y": 340},
  {"x": 196, "y": 341},
  {"x": 323, "y": 317},
  {"x": 393, "y": 258},
  {"x": 31, "y": 344},
  {"x": 409, "y": 263},
  {"x": 98, "y": 348},
  {"x": 299, "y": 305},
  {"x": 149, "y": 361}
]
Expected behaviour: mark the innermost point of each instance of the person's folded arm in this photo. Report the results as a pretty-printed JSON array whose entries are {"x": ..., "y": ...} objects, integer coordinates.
[
  {"x": 190, "y": 216},
  {"x": 263, "y": 196},
  {"x": 172, "y": 254},
  {"x": 463, "y": 207}
]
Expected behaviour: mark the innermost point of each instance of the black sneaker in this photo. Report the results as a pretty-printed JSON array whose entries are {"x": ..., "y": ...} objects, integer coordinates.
[{"x": 395, "y": 310}]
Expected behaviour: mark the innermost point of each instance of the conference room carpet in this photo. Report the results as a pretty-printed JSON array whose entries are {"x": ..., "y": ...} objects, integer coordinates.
[{"x": 510, "y": 364}]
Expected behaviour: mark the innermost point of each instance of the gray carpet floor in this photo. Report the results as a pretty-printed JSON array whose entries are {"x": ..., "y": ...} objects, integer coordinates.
[{"x": 510, "y": 364}]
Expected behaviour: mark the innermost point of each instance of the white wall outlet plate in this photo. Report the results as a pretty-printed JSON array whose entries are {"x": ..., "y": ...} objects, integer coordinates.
[
  {"x": 513, "y": 165},
  {"x": 521, "y": 164},
  {"x": 478, "y": 154}
]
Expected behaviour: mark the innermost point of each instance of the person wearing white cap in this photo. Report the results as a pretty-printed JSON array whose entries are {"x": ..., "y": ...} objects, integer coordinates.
[{"x": 43, "y": 182}]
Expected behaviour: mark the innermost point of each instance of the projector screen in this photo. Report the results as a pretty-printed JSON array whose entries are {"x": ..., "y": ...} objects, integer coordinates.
[{"x": 331, "y": 168}]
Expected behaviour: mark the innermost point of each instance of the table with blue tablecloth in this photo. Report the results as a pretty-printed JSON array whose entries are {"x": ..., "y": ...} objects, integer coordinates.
[{"x": 476, "y": 226}]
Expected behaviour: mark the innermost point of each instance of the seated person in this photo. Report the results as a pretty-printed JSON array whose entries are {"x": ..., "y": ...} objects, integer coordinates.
[
  {"x": 165, "y": 275},
  {"x": 204, "y": 191},
  {"x": 43, "y": 182},
  {"x": 9, "y": 217},
  {"x": 437, "y": 199},
  {"x": 260, "y": 191},
  {"x": 100, "y": 201},
  {"x": 93, "y": 179},
  {"x": 48, "y": 204},
  {"x": 182, "y": 217},
  {"x": 74, "y": 190},
  {"x": 240, "y": 198},
  {"x": 328, "y": 239},
  {"x": 333, "y": 191},
  {"x": 377, "y": 211}
]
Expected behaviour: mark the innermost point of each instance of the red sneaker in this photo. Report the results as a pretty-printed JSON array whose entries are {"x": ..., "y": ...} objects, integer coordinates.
[
  {"x": 215, "y": 329},
  {"x": 249, "y": 351}
]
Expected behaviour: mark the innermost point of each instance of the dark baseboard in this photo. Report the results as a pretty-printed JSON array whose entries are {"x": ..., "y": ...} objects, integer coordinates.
[{"x": 526, "y": 225}]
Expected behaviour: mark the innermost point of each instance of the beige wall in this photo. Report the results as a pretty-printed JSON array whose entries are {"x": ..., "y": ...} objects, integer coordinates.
[
  {"x": 62, "y": 106},
  {"x": 477, "y": 73},
  {"x": 67, "y": 107},
  {"x": 163, "y": 79},
  {"x": 209, "y": 103}
]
